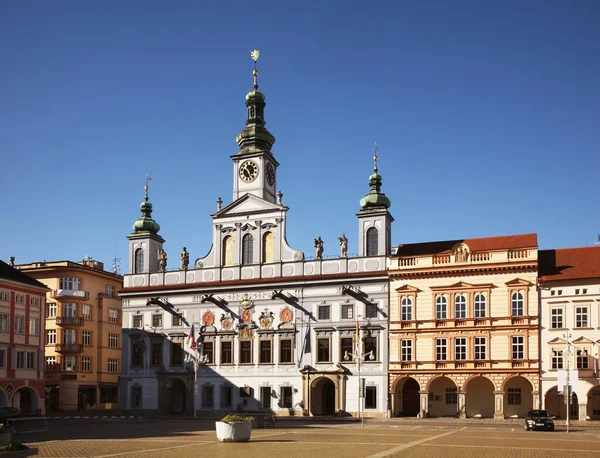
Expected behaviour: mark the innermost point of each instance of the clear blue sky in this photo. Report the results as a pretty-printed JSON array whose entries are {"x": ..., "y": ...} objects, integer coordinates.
[{"x": 487, "y": 115}]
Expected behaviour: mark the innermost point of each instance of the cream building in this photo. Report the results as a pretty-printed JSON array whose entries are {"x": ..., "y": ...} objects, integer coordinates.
[
  {"x": 82, "y": 334},
  {"x": 464, "y": 327},
  {"x": 570, "y": 331}
]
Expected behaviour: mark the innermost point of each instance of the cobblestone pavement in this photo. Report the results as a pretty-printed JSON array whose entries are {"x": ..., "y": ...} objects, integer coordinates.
[{"x": 392, "y": 438}]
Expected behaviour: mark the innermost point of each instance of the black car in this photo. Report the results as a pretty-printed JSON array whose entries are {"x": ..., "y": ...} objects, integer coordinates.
[{"x": 538, "y": 419}]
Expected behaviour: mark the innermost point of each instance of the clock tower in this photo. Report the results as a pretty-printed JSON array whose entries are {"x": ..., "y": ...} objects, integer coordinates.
[{"x": 254, "y": 167}]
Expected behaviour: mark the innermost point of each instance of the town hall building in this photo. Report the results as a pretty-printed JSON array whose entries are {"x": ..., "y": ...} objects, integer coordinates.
[{"x": 276, "y": 330}]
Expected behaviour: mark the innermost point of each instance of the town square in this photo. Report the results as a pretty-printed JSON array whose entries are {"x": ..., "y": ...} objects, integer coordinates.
[{"x": 291, "y": 230}]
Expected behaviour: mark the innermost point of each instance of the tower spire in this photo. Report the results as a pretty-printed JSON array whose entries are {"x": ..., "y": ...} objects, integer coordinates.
[
  {"x": 375, "y": 199},
  {"x": 145, "y": 223},
  {"x": 255, "y": 137}
]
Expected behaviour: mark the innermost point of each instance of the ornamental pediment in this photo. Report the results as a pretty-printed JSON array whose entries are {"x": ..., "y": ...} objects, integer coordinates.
[
  {"x": 407, "y": 289},
  {"x": 519, "y": 282},
  {"x": 462, "y": 285},
  {"x": 557, "y": 340},
  {"x": 247, "y": 204},
  {"x": 582, "y": 341}
]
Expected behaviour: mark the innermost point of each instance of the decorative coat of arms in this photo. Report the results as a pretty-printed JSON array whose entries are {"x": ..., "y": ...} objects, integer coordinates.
[
  {"x": 286, "y": 315},
  {"x": 208, "y": 319},
  {"x": 266, "y": 319},
  {"x": 226, "y": 322}
]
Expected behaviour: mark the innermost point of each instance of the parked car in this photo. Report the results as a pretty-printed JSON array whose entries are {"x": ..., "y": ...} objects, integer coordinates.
[{"x": 539, "y": 419}]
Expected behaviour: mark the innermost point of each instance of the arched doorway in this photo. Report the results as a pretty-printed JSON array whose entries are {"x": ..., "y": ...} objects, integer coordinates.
[
  {"x": 518, "y": 396},
  {"x": 443, "y": 398},
  {"x": 3, "y": 400},
  {"x": 593, "y": 404},
  {"x": 480, "y": 397},
  {"x": 176, "y": 396},
  {"x": 554, "y": 401},
  {"x": 323, "y": 397},
  {"x": 406, "y": 398},
  {"x": 26, "y": 400}
]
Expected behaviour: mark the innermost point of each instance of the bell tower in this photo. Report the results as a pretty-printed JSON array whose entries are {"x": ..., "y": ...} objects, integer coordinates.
[
  {"x": 144, "y": 242},
  {"x": 374, "y": 219},
  {"x": 254, "y": 167}
]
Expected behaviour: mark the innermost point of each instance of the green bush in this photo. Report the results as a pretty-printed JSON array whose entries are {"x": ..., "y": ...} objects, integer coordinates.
[
  {"x": 13, "y": 447},
  {"x": 230, "y": 418}
]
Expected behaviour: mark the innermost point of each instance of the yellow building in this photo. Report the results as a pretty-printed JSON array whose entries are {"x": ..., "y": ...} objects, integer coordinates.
[
  {"x": 83, "y": 334},
  {"x": 464, "y": 327}
]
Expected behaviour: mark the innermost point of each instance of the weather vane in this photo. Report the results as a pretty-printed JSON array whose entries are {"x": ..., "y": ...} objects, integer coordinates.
[
  {"x": 375, "y": 158},
  {"x": 255, "y": 55}
]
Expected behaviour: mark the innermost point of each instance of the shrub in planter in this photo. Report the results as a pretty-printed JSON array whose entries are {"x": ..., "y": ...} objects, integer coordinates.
[{"x": 234, "y": 428}]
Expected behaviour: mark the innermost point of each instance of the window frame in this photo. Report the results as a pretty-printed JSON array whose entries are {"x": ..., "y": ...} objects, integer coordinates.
[
  {"x": 291, "y": 350},
  {"x": 247, "y": 250},
  {"x": 460, "y": 306},
  {"x": 460, "y": 349},
  {"x": 229, "y": 352},
  {"x": 517, "y": 347},
  {"x": 517, "y": 304},
  {"x": 557, "y": 314},
  {"x": 406, "y": 350},
  {"x": 347, "y": 311},
  {"x": 406, "y": 308},
  {"x": 480, "y": 343},
  {"x": 372, "y": 241},
  {"x": 319, "y": 358},
  {"x": 480, "y": 305},
  {"x": 582, "y": 312},
  {"x": 441, "y": 349},
  {"x": 249, "y": 351},
  {"x": 372, "y": 391},
  {"x": 441, "y": 307},
  {"x": 323, "y": 308}
]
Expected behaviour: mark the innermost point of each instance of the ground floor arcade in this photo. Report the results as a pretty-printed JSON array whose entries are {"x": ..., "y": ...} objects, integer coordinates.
[
  {"x": 585, "y": 400},
  {"x": 463, "y": 395}
]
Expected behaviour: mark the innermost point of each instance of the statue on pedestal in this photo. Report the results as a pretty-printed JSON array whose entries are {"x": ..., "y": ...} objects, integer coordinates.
[
  {"x": 162, "y": 260},
  {"x": 319, "y": 247},
  {"x": 343, "y": 246},
  {"x": 185, "y": 259}
]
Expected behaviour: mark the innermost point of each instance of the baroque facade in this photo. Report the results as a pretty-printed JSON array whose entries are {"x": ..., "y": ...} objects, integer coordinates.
[
  {"x": 464, "y": 327},
  {"x": 278, "y": 331},
  {"x": 82, "y": 337},
  {"x": 570, "y": 331}
]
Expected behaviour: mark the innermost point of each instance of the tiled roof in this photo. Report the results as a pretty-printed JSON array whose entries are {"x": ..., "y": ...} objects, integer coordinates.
[
  {"x": 8, "y": 272},
  {"x": 569, "y": 263},
  {"x": 475, "y": 245}
]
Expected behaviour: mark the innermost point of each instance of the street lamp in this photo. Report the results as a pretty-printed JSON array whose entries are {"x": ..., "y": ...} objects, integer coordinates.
[
  {"x": 568, "y": 378},
  {"x": 198, "y": 359},
  {"x": 359, "y": 356}
]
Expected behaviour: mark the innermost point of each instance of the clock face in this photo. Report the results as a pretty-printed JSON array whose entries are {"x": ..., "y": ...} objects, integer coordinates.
[
  {"x": 248, "y": 171},
  {"x": 270, "y": 174}
]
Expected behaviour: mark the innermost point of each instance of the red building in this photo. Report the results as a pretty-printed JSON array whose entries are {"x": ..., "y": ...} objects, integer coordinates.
[{"x": 22, "y": 302}]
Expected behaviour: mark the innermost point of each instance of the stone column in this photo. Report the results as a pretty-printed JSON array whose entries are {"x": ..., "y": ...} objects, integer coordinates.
[
  {"x": 498, "y": 405},
  {"x": 391, "y": 404},
  {"x": 536, "y": 400},
  {"x": 462, "y": 404},
  {"x": 583, "y": 411},
  {"x": 423, "y": 404}
]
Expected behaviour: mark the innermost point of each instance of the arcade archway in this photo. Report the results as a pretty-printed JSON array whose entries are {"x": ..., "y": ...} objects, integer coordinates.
[
  {"x": 406, "y": 398},
  {"x": 480, "y": 397}
]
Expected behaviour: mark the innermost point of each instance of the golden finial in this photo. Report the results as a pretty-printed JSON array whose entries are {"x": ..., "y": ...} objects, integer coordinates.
[
  {"x": 255, "y": 55},
  {"x": 375, "y": 158}
]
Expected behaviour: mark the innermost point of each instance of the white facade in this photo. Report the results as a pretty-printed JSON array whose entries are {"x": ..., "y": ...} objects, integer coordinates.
[
  {"x": 570, "y": 335},
  {"x": 278, "y": 330}
]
